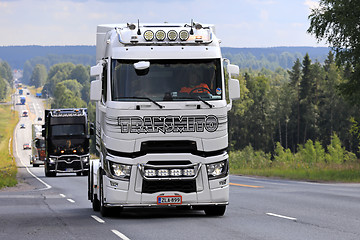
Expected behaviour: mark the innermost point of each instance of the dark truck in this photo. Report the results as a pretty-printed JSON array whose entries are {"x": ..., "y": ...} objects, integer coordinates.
[{"x": 66, "y": 133}]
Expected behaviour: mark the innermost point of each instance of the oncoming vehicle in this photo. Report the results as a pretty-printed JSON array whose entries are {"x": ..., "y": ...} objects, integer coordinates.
[
  {"x": 26, "y": 146},
  {"x": 161, "y": 118},
  {"x": 67, "y": 141}
]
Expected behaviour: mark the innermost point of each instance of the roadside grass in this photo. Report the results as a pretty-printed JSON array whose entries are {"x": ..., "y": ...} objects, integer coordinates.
[
  {"x": 348, "y": 173},
  {"x": 8, "y": 169},
  {"x": 312, "y": 162}
]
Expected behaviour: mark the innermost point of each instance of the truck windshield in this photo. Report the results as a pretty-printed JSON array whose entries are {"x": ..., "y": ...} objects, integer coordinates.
[
  {"x": 167, "y": 80},
  {"x": 65, "y": 130}
]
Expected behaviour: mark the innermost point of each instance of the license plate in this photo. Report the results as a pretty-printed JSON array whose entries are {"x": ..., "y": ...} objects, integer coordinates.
[
  {"x": 69, "y": 169},
  {"x": 169, "y": 200}
]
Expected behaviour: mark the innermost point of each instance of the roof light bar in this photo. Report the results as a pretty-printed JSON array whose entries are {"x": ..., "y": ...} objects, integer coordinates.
[
  {"x": 148, "y": 35},
  {"x": 160, "y": 35},
  {"x": 172, "y": 35}
]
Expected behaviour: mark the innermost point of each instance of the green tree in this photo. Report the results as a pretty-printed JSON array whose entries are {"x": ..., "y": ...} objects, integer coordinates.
[
  {"x": 39, "y": 76},
  {"x": 67, "y": 98},
  {"x": 5, "y": 72},
  {"x": 337, "y": 22},
  {"x": 81, "y": 74},
  {"x": 3, "y": 88},
  {"x": 57, "y": 73}
]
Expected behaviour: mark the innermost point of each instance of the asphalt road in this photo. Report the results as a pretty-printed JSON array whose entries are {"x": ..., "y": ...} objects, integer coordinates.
[{"x": 57, "y": 208}]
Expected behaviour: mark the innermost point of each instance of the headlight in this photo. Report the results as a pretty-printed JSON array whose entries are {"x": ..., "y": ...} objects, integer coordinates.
[
  {"x": 120, "y": 170},
  {"x": 217, "y": 170}
]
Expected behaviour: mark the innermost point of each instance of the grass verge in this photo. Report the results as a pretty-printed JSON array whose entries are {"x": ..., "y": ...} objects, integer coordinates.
[{"x": 8, "y": 169}]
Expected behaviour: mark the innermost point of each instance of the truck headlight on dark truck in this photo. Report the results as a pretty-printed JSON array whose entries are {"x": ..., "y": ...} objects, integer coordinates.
[{"x": 218, "y": 169}]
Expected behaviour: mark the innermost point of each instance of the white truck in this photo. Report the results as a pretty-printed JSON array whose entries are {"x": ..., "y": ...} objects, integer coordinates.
[{"x": 161, "y": 118}]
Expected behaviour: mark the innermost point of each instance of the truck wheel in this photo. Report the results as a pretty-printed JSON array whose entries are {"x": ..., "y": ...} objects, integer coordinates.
[
  {"x": 47, "y": 172},
  {"x": 105, "y": 211},
  {"x": 215, "y": 210},
  {"x": 95, "y": 203}
]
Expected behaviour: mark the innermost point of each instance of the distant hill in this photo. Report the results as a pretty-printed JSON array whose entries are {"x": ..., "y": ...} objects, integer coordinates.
[
  {"x": 16, "y": 56},
  {"x": 255, "y": 58}
]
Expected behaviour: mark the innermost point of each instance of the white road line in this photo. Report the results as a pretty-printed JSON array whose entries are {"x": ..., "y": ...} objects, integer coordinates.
[
  {"x": 62, "y": 195},
  {"x": 47, "y": 186},
  {"x": 281, "y": 216},
  {"x": 120, "y": 235},
  {"x": 70, "y": 200},
  {"x": 97, "y": 219}
]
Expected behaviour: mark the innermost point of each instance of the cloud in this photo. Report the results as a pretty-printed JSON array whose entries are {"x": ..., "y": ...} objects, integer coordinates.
[{"x": 311, "y": 4}]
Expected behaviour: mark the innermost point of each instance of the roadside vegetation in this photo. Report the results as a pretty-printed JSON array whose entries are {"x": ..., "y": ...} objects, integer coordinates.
[
  {"x": 311, "y": 162},
  {"x": 8, "y": 169}
]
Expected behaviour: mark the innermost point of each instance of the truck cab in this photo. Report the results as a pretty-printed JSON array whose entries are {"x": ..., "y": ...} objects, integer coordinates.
[
  {"x": 161, "y": 117},
  {"x": 67, "y": 141}
]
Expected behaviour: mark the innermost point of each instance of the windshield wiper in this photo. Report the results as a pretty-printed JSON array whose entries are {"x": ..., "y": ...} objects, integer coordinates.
[
  {"x": 146, "y": 98},
  {"x": 197, "y": 98}
]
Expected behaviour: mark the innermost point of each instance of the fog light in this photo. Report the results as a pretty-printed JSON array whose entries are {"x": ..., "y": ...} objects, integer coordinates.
[
  {"x": 189, "y": 172},
  {"x": 150, "y": 173},
  {"x": 175, "y": 172},
  {"x": 163, "y": 173}
]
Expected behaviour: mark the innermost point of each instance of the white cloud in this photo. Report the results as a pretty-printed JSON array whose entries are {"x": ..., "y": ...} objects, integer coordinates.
[{"x": 311, "y": 4}]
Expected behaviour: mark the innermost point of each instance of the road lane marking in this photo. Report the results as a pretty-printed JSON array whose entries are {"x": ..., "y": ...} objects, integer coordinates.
[
  {"x": 47, "y": 186},
  {"x": 281, "y": 216},
  {"x": 62, "y": 195},
  {"x": 97, "y": 219},
  {"x": 243, "y": 185},
  {"x": 120, "y": 235},
  {"x": 70, "y": 200}
]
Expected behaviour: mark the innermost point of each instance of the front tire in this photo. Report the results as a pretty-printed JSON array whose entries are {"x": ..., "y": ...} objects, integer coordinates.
[
  {"x": 105, "y": 211},
  {"x": 47, "y": 171}
]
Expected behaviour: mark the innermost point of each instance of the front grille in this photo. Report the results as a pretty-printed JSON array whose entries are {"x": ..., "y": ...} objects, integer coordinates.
[
  {"x": 76, "y": 165},
  {"x": 185, "y": 186}
]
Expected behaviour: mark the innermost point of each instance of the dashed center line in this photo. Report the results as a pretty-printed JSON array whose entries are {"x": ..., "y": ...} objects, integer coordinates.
[
  {"x": 70, "y": 200},
  {"x": 281, "y": 216},
  {"x": 97, "y": 219},
  {"x": 120, "y": 235},
  {"x": 62, "y": 195}
]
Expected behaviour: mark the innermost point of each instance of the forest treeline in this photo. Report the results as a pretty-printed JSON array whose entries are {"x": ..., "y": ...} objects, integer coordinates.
[
  {"x": 6, "y": 78},
  {"x": 293, "y": 106},
  {"x": 26, "y": 57},
  {"x": 286, "y": 107}
]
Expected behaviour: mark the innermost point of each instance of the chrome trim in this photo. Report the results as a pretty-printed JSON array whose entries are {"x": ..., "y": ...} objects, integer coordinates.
[{"x": 75, "y": 158}]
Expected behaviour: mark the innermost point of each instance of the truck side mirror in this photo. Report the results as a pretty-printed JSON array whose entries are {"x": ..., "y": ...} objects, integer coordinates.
[
  {"x": 96, "y": 86},
  {"x": 234, "y": 89},
  {"x": 233, "y": 70},
  {"x": 95, "y": 90},
  {"x": 233, "y": 84},
  {"x": 92, "y": 128}
]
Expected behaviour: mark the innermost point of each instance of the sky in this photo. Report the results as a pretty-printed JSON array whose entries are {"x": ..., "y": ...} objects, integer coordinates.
[{"x": 239, "y": 23}]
